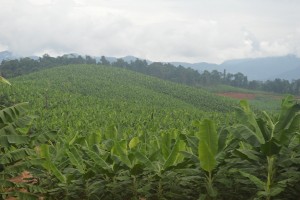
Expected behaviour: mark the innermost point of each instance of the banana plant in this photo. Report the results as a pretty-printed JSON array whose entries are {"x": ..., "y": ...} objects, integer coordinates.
[
  {"x": 14, "y": 150},
  {"x": 210, "y": 149},
  {"x": 262, "y": 141},
  {"x": 207, "y": 151},
  {"x": 48, "y": 164},
  {"x": 64, "y": 164},
  {"x": 166, "y": 156},
  {"x": 14, "y": 141}
]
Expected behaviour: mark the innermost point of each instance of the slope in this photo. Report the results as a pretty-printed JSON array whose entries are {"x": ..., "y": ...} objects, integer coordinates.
[
  {"x": 89, "y": 97},
  {"x": 114, "y": 84}
]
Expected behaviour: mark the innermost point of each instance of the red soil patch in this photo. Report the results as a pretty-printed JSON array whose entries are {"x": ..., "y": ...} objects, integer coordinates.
[
  {"x": 237, "y": 95},
  {"x": 25, "y": 177}
]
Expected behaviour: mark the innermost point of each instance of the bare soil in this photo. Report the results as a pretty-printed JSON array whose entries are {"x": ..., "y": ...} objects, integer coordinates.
[
  {"x": 238, "y": 95},
  {"x": 25, "y": 177}
]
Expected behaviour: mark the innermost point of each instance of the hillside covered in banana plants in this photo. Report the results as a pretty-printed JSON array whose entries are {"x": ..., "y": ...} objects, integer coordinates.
[
  {"x": 88, "y": 98},
  {"x": 95, "y": 132}
]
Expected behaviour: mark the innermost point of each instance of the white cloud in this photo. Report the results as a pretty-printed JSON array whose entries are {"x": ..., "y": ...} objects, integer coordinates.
[
  {"x": 3, "y": 47},
  {"x": 164, "y": 30}
]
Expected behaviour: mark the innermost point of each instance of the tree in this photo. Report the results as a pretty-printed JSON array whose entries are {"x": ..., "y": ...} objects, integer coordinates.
[
  {"x": 240, "y": 80},
  {"x": 104, "y": 61},
  {"x": 120, "y": 63},
  {"x": 138, "y": 65},
  {"x": 254, "y": 85},
  {"x": 90, "y": 60},
  {"x": 216, "y": 76},
  {"x": 206, "y": 78}
]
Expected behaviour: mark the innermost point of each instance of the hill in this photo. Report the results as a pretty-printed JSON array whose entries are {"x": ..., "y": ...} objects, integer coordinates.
[
  {"x": 111, "y": 84},
  {"x": 86, "y": 97}
]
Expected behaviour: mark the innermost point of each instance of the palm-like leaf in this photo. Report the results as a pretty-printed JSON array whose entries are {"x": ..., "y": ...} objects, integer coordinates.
[{"x": 208, "y": 145}]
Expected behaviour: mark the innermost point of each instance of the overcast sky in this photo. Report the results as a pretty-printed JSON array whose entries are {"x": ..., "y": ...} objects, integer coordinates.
[{"x": 158, "y": 30}]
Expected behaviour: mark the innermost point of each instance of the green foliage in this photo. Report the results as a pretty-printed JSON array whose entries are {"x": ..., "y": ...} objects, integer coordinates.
[
  {"x": 208, "y": 145},
  {"x": 104, "y": 133},
  {"x": 263, "y": 142},
  {"x": 15, "y": 151},
  {"x": 210, "y": 153}
]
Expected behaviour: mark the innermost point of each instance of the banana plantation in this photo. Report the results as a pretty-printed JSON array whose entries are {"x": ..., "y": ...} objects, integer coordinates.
[{"x": 129, "y": 150}]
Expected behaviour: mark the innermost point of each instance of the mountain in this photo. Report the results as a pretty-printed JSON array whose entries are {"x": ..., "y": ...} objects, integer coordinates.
[
  {"x": 265, "y": 68},
  {"x": 127, "y": 59},
  {"x": 71, "y": 55},
  {"x": 293, "y": 74},
  {"x": 201, "y": 66},
  {"x": 6, "y": 55},
  {"x": 114, "y": 59}
]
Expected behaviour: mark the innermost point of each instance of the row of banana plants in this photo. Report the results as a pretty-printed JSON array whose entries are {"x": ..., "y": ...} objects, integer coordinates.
[
  {"x": 256, "y": 158},
  {"x": 15, "y": 152}
]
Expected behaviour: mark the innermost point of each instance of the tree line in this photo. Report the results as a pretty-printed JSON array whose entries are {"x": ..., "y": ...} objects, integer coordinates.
[{"x": 166, "y": 71}]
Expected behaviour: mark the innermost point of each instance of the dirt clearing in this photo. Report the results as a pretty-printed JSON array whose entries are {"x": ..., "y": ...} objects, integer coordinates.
[{"x": 238, "y": 95}]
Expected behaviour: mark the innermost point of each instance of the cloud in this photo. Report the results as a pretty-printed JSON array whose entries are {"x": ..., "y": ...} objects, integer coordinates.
[
  {"x": 251, "y": 40},
  {"x": 161, "y": 30},
  {"x": 3, "y": 47}
]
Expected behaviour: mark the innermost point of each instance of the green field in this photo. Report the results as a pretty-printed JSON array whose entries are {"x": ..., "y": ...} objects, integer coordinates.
[
  {"x": 258, "y": 99},
  {"x": 97, "y": 132},
  {"x": 87, "y": 98}
]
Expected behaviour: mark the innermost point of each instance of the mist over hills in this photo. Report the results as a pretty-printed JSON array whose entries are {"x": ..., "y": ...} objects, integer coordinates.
[{"x": 266, "y": 68}]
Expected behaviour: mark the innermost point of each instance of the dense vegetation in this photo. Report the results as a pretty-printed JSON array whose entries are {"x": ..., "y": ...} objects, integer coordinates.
[
  {"x": 169, "y": 72},
  {"x": 111, "y": 85},
  {"x": 96, "y": 132}
]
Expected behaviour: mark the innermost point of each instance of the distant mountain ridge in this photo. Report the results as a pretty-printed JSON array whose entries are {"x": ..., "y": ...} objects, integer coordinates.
[
  {"x": 201, "y": 66},
  {"x": 6, "y": 55},
  {"x": 266, "y": 68}
]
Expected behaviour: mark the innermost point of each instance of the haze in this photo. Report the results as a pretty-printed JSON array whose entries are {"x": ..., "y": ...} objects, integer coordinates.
[{"x": 165, "y": 30}]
